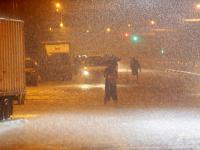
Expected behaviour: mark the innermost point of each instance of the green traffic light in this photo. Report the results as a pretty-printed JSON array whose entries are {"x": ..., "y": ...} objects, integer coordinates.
[{"x": 135, "y": 38}]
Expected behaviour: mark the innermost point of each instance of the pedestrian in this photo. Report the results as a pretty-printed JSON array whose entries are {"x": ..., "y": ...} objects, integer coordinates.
[
  {"x": 111, "y": 75},
  {"x": 135, "y": 67}
]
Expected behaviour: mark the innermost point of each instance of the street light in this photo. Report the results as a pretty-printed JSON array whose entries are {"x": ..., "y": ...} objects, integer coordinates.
[
  {"x": 129, "y": 25},
  {"x": 58, "y": 7},
  {"x": 61, "y": 25},
  {"x": 153, "y": 22},
  {"x": 50, "y": 29},
  {"x": 198, "y": 6},
  {"x": 108, "y": 30},
  {"x": 162, "y": 51}
]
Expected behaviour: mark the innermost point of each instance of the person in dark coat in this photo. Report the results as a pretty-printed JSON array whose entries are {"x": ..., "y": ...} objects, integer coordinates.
[
  {"x": 111, "y": 75},
  {"x": 135, "y": 67}
]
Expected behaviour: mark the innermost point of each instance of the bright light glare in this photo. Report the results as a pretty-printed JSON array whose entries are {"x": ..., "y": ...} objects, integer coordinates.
[
  {"x": 198, "y": 6},
  {"x": 126, "y": 34},
  {"x": 192, "y": 20},
  {"x": 135, "y": 38},
  {"x": 108, "y": 30},
  {"x": 58, "y": 5},
  {"x": 50, "y": 29},
  {"x": 152, "y": 22},
  {"x": 86, "y": 73},
  {"x": 61, "y": 24}
]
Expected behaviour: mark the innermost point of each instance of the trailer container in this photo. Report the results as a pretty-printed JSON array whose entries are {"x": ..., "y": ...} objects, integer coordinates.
[
  {"x": 56, "y": 63},
  {"x": 12, "y": 65}
]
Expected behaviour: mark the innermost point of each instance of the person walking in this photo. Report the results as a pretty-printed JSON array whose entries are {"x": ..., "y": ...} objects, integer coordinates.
[
  {"x": 135, "y": 67},
  {"x": 111, "y": 75}
]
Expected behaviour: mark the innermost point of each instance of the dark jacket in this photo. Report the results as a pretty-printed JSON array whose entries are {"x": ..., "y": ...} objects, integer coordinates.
[
  {"x": 111, "y": 75},
  {"x": 135, "y": 66}
]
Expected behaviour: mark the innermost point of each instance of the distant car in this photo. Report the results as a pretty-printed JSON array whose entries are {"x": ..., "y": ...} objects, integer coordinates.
[
  {"x": 94, "y": 66},
  {"x": 31, "y": 70}
]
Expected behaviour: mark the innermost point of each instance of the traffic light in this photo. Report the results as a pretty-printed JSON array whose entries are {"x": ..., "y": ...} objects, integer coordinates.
[
  {"x": 135, "y": 38},
  {"x": 126, "y": 34}
]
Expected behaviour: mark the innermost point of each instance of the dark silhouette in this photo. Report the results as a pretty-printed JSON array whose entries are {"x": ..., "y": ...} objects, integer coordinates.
[
  {"x": 135, "y": 67},
  {"x": 111, "y": 75}
]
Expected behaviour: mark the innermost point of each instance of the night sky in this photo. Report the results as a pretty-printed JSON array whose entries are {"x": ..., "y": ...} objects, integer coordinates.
[{"x": 96, "y": 15}]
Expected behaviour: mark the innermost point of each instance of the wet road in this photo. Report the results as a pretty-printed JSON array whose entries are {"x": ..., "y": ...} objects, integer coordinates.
[{"x": 160, "y": 112}]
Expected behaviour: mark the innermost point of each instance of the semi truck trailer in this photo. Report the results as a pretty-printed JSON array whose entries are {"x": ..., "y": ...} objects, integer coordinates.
[
  {"x": 56, "y": 61},
  {"x": 12, "y": 65}
]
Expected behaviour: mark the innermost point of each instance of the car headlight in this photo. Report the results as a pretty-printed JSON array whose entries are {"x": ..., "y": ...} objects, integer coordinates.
[{"x": 85, "y": 72}]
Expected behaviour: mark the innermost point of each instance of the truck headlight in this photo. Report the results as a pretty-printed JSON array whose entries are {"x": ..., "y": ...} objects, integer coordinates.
[{"x": 85, "y": 73}]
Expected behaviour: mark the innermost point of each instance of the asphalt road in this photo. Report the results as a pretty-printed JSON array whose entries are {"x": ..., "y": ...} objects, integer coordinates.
[{"x": 161, "y": 111}]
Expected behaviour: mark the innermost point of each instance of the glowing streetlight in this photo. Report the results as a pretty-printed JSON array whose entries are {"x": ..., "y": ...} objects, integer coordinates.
[
  {"x": 162, "y": 51},
  {"x": 153, "y": 22},
  {"x": 129, "y": 25},
  {"x": 87, "y": 31},
  {"x": 198, "y": 6},
  {"x": 61, "y": 25},
  {"x": 108, "y": 30},
  {"x": 58, "y": 6},
  {"x": 50, "y": 29}
]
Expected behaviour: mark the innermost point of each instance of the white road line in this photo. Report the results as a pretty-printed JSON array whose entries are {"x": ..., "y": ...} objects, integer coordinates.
[{"x": 181, "y": 71}]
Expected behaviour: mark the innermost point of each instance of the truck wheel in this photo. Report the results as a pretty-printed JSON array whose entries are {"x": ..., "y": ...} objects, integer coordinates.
[{"x": 7, "y": 108}]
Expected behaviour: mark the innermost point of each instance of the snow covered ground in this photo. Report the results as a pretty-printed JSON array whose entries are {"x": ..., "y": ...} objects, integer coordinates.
[{"x": 160, "y": 112}]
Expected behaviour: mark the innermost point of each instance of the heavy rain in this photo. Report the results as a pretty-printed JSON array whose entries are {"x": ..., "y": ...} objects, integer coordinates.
[{"x": 99, "y": 74}]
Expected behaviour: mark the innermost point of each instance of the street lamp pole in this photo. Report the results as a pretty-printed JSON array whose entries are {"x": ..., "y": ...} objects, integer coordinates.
[{"x": 59, "y": 11}]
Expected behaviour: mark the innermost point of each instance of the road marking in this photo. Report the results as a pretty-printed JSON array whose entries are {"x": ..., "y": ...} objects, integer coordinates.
[{"x": 181, "y": 71}]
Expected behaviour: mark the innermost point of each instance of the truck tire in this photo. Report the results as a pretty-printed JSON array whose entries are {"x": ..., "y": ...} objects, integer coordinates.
[{"x": 7, "y": 108}]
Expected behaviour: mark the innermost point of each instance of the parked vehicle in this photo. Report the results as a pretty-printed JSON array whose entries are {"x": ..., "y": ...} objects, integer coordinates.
[
  {"x": 31, "y": 69},
  {"x": 12, "y": 66},
  {"x": 56, "y": 61}
]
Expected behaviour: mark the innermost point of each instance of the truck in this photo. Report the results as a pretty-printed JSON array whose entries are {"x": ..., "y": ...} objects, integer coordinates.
[
  {"x": 12, "y": 65},
  {"x": 56, "y": 61}
]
